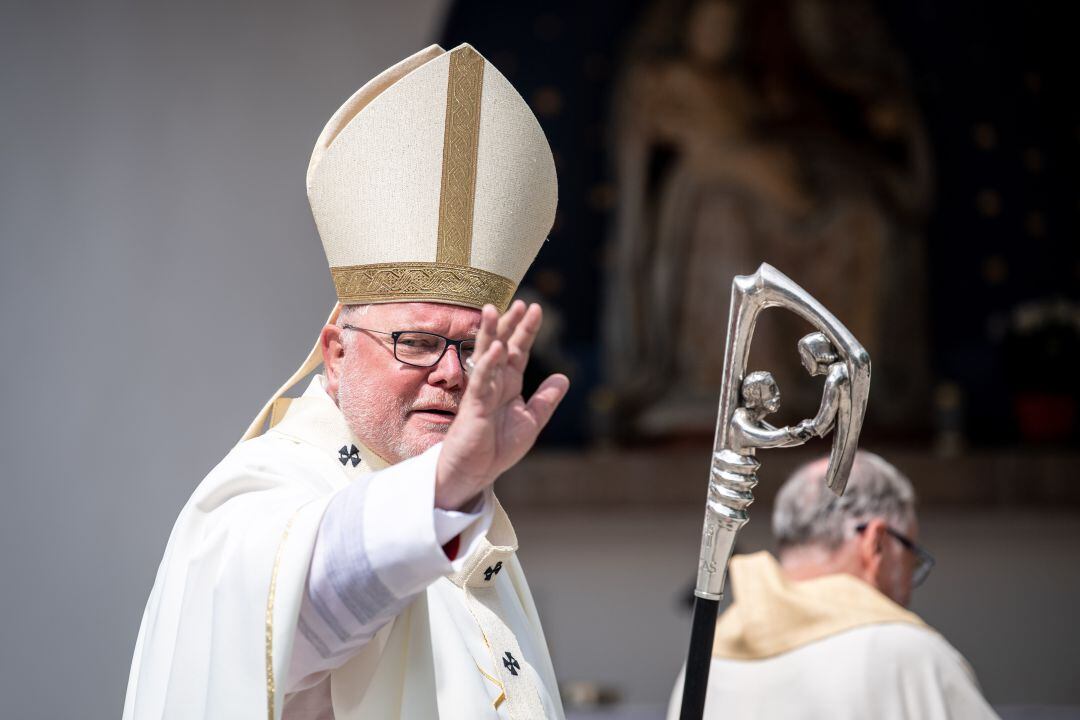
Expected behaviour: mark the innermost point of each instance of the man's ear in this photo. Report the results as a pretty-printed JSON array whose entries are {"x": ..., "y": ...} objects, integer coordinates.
[
  {"x": 333, "y": 352},
  {"x": 871, "y": 548}
]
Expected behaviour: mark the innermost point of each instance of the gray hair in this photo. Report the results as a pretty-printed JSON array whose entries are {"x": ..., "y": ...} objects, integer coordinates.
[
  {"x": 352, "y": 311},
  {"x": 348, "y": 313},
  {"x": 808, "y": 513}
]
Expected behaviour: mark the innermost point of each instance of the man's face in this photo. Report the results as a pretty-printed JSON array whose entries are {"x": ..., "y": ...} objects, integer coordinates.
[{"x": 398, "y": 410}]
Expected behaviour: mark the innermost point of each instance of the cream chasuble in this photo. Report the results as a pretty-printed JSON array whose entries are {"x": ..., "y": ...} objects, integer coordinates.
[{"x": 219, "y": 627}]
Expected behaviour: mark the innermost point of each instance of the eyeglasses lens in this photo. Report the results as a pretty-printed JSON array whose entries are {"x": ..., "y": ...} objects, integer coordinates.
[
  {"x": 426, "y": 349},
  {"x": 419, "y": 348}
]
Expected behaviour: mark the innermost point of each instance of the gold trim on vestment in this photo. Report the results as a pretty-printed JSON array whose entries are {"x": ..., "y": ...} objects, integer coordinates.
[
  {"x": 502, "y": 690},
  {"x": 419, "y": 281},
  {"x": 270, "y": 685},
  {"x": 461, "y": 141}
]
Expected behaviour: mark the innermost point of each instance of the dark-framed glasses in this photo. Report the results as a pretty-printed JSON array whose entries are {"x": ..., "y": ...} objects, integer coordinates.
[
  {"x": 924, "y": 561},
  {"x": 424, "y": 349}
]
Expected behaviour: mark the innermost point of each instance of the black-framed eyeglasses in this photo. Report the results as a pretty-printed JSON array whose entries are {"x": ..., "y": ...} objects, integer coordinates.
[
  {"x": 924, "y": 561},
  {"x": 423, "y": 349}
]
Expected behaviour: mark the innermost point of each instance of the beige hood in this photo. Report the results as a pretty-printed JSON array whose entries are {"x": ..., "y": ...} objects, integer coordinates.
[{"x": 772, "y": 615}]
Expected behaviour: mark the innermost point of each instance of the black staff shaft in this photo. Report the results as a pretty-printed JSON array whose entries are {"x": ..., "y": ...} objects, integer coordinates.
[{"x": 699, "y": 659}]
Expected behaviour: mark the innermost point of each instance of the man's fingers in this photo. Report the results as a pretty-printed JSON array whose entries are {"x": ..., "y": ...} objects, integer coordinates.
[
  {"x": 489, "y": 319},
  {"x": 547, "y": 397},
  {"x": 483, "y": 382},
  {"x": 510, "y": 320},
  {"x": 520, "y": 343}
]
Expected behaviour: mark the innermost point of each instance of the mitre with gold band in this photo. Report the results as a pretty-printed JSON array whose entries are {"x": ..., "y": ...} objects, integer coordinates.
[{"x": 433, "y": 183}]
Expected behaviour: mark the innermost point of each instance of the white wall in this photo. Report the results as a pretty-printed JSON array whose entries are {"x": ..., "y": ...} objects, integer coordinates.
[{"x": 160, "y": 276}]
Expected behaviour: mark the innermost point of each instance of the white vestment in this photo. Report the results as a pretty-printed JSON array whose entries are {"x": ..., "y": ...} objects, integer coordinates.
[
  {"x": 224, "y": 621},
  {"x": 832, "y": 648}
]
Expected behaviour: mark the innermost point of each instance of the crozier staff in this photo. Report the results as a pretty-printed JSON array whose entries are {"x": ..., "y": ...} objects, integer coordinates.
[
  {"x": 350, "y": 561},
  {"x": 741, "y": 430}
]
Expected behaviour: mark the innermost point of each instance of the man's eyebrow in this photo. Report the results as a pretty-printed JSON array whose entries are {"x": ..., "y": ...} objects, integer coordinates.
[{"x": 430, "y": 327}]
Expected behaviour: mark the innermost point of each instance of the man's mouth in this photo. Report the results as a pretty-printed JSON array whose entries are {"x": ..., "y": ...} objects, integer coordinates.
[{"x": 435, "y": 414}]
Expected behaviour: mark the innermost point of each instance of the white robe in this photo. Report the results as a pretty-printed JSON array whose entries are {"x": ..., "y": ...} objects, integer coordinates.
[
  {"x": 831, "y": 648},
  {"x": 220, "y": 627}
]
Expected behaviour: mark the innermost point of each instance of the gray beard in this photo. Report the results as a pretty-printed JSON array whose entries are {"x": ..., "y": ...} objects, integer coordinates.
[
  {"x": 379, "y": 421},
  {"x": 375, "y": 419}
]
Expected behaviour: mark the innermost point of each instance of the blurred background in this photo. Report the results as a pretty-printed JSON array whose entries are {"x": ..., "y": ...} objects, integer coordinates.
[{"x": 912, "y": 165}]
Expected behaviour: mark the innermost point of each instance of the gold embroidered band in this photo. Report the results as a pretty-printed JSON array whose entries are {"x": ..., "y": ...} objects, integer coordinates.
[
  {"x": 419, "y": 281},
  {"x": 461, "y": 140},
  {"x": 271, "y": 688}
]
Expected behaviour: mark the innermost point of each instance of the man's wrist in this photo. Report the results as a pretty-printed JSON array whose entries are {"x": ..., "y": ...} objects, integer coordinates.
[
  {"x": 459, "y": 493},
  {"x": 455, "y": 499}
]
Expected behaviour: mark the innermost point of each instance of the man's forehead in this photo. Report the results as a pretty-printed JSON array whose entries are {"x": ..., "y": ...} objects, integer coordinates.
[{"x": 428, "y": 316}]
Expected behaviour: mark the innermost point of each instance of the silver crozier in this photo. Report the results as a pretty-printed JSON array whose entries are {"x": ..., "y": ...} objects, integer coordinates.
[{"x": 741, "y": 429}]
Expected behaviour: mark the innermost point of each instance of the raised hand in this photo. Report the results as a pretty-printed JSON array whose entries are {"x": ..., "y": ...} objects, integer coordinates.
[{"x": 495, "y": 426}]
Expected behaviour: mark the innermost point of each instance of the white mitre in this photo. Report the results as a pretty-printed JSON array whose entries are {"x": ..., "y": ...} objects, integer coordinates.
[{"x": 435, "y": 183}]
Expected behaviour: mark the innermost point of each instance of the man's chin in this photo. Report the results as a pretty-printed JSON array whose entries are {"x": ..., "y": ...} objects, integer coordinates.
[
  {"x": 430, "y": 433},
  {"x": 421, "y": 437}
]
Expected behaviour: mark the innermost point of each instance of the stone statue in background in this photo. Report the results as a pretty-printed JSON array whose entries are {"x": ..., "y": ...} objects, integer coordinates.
[{"x": 750, "y": 132}]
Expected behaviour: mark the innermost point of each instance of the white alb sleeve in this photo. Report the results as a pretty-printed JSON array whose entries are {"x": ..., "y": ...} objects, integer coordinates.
[
  {"x": 379, "y": 544},
  {"x": 471, "y": 525}
]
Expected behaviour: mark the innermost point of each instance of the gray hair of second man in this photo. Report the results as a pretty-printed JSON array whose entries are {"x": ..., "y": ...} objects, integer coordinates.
[{"x": 808, "y": 513}]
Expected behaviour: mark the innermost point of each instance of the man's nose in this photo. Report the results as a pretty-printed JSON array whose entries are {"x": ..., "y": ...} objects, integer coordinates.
[{"x": 448, "y": 371}]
